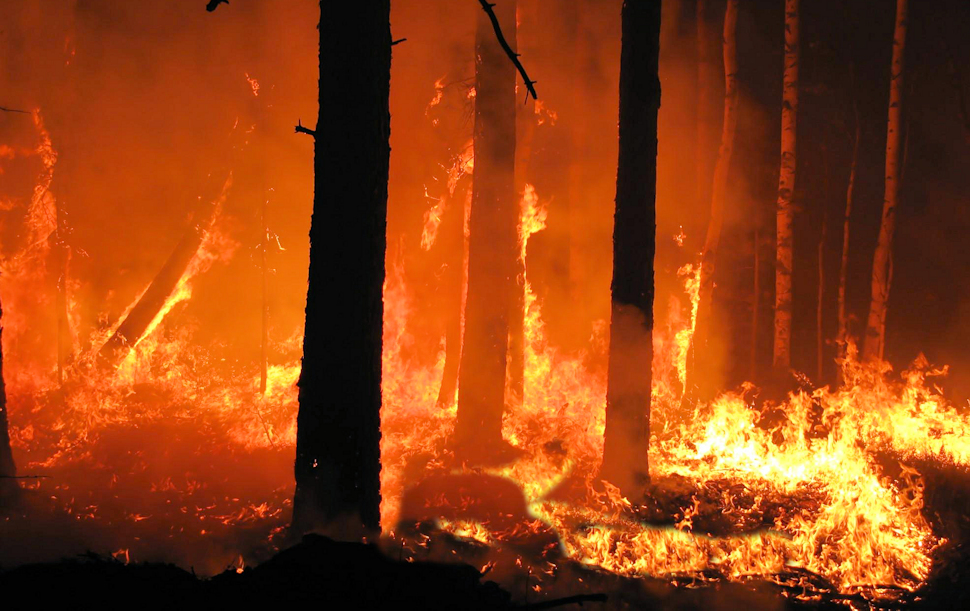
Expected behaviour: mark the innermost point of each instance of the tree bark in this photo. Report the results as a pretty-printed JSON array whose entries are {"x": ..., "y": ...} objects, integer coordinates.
[
  {"x": 338, "y": 424},
  {"x": 492, "y": 245},
  {"x": 786, "y": 192},
  {"x": 843, "y": 339},
  {"x": 705, "y": 304},
  {"x": 627, "y": 436},
  {"x": 882, "y": 263},
  {"x": 131, "y": 330},
  {"x": 451, "y": 240},
  {"x": 7, "y": 466},
  {"x": 706, "y": 76}
]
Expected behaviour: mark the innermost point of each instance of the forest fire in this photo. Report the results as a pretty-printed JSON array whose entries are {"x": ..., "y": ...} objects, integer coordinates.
[{"x": 479, "y": 373}]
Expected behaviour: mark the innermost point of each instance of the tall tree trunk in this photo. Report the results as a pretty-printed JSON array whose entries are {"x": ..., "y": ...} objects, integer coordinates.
[
  {"x": 451, "y": 240},
  {"x": 706, "y": 76},
  {"x": 702, "y": 328},
  {"x": 843, "y": 338},
  {"x": 819, "y": 337},
  {"x": 492, "y": 249},
  {"x": 882, "y": 263},
  {"x": 786, "y": 191},
  {"x": 627, "y": 437},
  {"x": 264, "y": 298},
  {"x": 338, "y": 425},
  {"x": 755, "y": 307},
  {"x": 7, "y": 467}
]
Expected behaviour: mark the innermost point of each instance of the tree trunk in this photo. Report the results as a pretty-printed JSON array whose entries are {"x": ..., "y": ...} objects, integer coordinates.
[
  {"x": 451, "y": 239},
  {"x": 755, "y": 307},
  {"x": 338, "y": 424},
  {"x": 7, "y": 467},
  {"x": 882, "y": 263},
  {"x": 706, "y": 76},
  {"x": 819, "y": 337},
  {"x": 131, "y": 330},
  {"x": 786, "y": 191},
  {"x": 264, "y": 286},
  {"x": 493, "y": 251},
  {"x": 843, "y": 339},
  {"x": 627, "y": 437},
  {"x": 699, "y": 346}
]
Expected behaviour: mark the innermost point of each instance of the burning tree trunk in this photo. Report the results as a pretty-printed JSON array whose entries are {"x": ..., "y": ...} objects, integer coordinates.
[
  {"x": 451, "y": 240},
  {"x": 882, "y": 263},
  {"x": 627, "y": 435},
  {"x": 843, "y": 338},
  {"x": 338, "y": 425},
  {"x": 699, "y": 347},
  {"x": 151, "y": 302},
  {"x": 492, "y": 248},
  {"x": 7, "y": 467},
  {"x": 786, "y": 192}
]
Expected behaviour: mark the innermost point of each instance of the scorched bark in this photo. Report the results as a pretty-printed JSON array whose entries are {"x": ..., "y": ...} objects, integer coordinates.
[
  {"x": 338, "y": 425},
  {"x": 634, "y": 244},
  {"x": 493, "y": 245}
]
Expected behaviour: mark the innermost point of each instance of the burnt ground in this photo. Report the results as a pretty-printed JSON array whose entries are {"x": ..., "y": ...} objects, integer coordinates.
[
  {"x": 426, "y": 568},
  {"x": 333, "y": 575}
]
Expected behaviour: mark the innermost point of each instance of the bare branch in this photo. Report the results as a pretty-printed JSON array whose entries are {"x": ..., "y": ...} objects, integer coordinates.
[
  {"x": 508, "y": 50},
  {"x": 214, "y": 4},
  {"x": 299, "y": 129},
  {"x": 399, "y": 41},
  {"x": 5, "y": 109}
]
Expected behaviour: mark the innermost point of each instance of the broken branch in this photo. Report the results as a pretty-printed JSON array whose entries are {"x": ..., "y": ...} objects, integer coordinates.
[
  {"x": 508, "y": 50},
  {"x": 299, "y": 129}
]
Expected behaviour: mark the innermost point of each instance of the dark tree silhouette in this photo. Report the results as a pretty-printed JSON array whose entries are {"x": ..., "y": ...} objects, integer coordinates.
[
  {"x": 7, "y": 467},
  {"x": 634, "y": 243},
  {"x": 338, "y": 426},
  {"x": 493, "y": 244}
]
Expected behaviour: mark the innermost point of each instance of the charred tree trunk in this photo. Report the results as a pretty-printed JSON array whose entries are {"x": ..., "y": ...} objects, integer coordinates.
[
  {"x": 153, "y": 299},
  {"x": 338, "y": 425},
  {"x": 755, "y": 307},
  {"x": 843, "y": 339},
  {"x": 705, "y": 303},
  {"x": 492, "y": 248},
  {"x": 627, "y": 437},
  {"x": 7, "y": 467},
  {"x": 882, "y": 263},
  {"x": 786, "y": 192}
]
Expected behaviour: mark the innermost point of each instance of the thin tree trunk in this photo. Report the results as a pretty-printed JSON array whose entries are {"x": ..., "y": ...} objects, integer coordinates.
[
  {"x": 786, "y": 191},
  {"x": 699, "y": 347},
  {"x": 819, "y": 337},
  {"x": 875, "y": 341},
  {"x": 492, "y": 245},
  {"x": 451, "y": 240},
  {"x": 7, "y": 466},
  {"x": 63, "y": 325},
  {"x": 264, "y": 305},
  {"x": 338, "y": 424},
  {"x": 627, "y": 436},
  {"x": 706, "y": 76},
  {"x": 843, "y": 340},
  {"x": 755, "y": 307}
]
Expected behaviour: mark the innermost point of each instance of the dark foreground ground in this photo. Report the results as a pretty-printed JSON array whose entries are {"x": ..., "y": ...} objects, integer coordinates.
[{"x": 322, "y": 573}]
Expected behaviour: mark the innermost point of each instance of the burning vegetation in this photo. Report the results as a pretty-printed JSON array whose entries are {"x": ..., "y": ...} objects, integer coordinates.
[{"x": 479, "y": 372}]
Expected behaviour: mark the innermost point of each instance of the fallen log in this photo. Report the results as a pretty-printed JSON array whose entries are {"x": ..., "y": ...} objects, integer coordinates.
[{"x": 151, "y": 302}]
